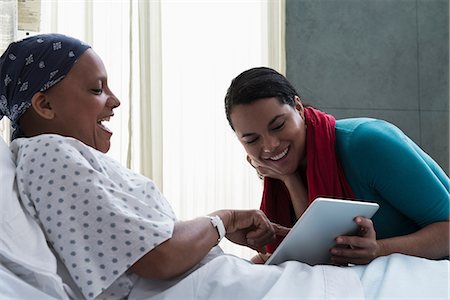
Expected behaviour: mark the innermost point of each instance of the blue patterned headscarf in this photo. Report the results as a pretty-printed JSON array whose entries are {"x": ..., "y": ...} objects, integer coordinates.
[{"x": 33, "y": 65}]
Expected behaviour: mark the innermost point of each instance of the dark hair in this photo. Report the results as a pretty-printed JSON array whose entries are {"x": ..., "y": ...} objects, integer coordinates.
[{"x": 255, "y": 84}]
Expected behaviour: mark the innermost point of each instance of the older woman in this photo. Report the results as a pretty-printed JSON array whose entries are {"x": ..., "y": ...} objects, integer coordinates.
[
  {"x": 106, "y": 223},
  {"x": 304, "y": 153}
]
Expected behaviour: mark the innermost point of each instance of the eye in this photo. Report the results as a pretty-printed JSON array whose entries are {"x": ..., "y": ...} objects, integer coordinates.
[
  {"x": 97, "y": 91},
  {"x": 250, "y": 141},
  {"x": 278, "y": 127}
]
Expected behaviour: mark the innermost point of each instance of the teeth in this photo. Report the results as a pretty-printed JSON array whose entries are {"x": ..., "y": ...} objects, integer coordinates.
[
  {"x": 279, "y": 156},
  {"x": 104, "y": 119},
  {"x": 100, "y": 123}
]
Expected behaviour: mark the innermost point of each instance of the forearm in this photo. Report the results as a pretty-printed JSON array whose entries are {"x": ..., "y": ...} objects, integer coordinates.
[
  {"x": 190, "y": 242},
  {"x": 430, "y": 242},
  {"x": 298, "y": 193}
]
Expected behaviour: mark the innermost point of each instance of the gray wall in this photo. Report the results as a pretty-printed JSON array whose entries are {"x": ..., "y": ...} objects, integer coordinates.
[{"x": 387, "y": 59}]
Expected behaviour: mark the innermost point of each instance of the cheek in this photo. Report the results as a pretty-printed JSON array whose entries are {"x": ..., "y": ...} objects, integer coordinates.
[{"x": 252, "y": 151}]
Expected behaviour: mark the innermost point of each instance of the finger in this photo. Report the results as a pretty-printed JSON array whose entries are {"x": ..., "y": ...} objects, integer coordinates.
[
  {"x": 355, "y": 242},
  {"x": 264, "y": 237},
  {"x": 280, "y": 230},
  {"x": 260, "y": 169},
  {"x": 259, "y": 165},
  {"x": 348, "y": 252},
  {"x": 365, "y": 227},
  {"x": 257, "y": 259},
  {"x": 263, "y": 257},
  {"x": 261, "y": 234},
  {"x": 253, "y": 162},
  {"x": 261, "y": 240},
  {"x": 250, "y": 161},
  {"x": 344, "y": 256}
]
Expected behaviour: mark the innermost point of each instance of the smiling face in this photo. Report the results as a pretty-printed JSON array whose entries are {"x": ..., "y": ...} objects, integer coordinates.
[
  {"x": 79, "y": 104},
  {"x": 273, "y": 134}
]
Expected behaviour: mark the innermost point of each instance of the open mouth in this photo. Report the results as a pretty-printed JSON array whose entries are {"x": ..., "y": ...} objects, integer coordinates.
[
  {"x": 101, "y": 124},
  {"x": 279, "y": 156}
]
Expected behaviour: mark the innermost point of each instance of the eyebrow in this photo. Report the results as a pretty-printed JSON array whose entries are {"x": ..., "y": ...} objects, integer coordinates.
[
  {"x": 101, "y": 78},
  {"x": 270, "y": 123},
  {"x": 95, "y": 79}
]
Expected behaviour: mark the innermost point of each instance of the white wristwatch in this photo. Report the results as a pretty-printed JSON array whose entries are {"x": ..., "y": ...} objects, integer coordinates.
[{"x": 216, "y": 221}]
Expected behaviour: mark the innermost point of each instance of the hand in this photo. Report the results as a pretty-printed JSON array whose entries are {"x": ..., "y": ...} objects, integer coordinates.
[
  {"x": 264, "y": 170},
  {"x": 250, "y": 228},
  {"x": 360, "y": 249}
]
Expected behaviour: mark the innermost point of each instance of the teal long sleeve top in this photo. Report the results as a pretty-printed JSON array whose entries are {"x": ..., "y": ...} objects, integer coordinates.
[{"x": 383, "y": 165}]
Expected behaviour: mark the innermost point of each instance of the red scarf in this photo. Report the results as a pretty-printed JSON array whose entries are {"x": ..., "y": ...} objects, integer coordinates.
[{"x": 324, "y": 174}]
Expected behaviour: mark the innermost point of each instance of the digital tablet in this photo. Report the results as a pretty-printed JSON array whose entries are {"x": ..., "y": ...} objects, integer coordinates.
[{"x": 314, "y": 234}]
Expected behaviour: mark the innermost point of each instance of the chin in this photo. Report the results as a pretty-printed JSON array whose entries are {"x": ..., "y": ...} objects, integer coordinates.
[
  {"x": 102, "y": 143},
  {"x": 104, "y": 148}
]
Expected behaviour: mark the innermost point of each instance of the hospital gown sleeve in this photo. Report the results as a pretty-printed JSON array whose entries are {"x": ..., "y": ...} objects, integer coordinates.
[{"x": 99, "y": 217}]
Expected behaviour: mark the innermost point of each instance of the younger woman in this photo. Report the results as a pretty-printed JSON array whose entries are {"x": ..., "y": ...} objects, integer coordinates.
[{"x": 303, "y": 153}]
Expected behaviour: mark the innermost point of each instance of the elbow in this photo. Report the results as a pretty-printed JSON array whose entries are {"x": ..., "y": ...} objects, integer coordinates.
[{"x": 155, "y": 265}]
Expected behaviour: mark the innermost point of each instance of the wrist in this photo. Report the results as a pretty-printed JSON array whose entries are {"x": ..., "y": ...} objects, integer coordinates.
[
  {"x": 292, "y": 179},
  {"x": 226, "y": 216},
  {"x": 383, "y": 249},
  {"x": 217, "y": 223}
]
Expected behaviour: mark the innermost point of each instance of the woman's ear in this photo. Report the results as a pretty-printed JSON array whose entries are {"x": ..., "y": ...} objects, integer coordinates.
[
  {"x": 299, "y": 106},
  {"x": 42, "y": 106}
]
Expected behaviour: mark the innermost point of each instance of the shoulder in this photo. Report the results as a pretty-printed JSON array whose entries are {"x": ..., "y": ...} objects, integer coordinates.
[
  {"x": 366, "y": 127},
  {"x": 366, "y": 145},
  {"x": 368, "y": 133},
  {"x": 43, "y": 141},
  {"x": 47, "y": 144},
  {"x": 57, "y": 150}
]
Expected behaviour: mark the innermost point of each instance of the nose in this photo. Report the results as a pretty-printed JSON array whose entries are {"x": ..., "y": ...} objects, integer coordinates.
[
  {"x": 112, "y": 101},
  {"x": 271, "y": 143}
]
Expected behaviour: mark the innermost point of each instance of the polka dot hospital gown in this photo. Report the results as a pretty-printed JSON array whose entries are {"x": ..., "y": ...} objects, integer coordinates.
[{"x": 98, "y": 216}]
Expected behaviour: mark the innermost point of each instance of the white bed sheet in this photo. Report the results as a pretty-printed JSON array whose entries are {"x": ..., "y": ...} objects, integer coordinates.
[
  {"x": 227, "y": 277},
  {"x": 400, "y": 276}
]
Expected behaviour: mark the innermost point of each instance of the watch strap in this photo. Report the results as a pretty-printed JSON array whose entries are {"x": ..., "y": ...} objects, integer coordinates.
[{"x": 216, "y": 221}]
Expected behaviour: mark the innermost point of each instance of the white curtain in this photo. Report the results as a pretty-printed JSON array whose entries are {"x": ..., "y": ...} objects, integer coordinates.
[
  {"x": 205, "y": 45},
  {"x": 276, "y": 26},
  {"x": 151, "y": 138},
  {"x": 170, "y": 62}
]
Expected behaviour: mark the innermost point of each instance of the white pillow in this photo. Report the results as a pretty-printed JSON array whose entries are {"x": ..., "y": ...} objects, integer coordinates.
[
  {"x": 12, "y": 284},
  {"x": 23, "y": 248}
]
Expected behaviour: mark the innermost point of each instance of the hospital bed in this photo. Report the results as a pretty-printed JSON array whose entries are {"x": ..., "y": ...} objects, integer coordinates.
[{"x": 29, "y": 269}]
